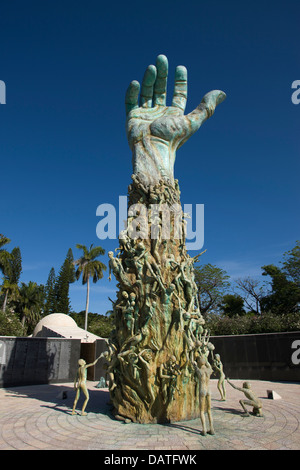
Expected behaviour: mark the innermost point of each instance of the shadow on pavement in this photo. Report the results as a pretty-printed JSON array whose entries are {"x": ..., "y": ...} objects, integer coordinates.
[
  {"x": 60, "y": 397},
  {"x": 232, "y": 411},
  {"x": 183, "y": 427}
]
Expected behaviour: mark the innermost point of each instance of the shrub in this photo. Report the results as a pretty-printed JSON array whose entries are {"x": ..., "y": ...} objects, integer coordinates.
[
  {"x": 252, "y": 324},
  {"x": 100, "y": 325},
  {"x": 10, "y": 324}
]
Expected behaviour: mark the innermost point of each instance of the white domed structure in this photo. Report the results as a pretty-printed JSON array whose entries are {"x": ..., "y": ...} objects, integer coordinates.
[
  {"x": 60, "y": 325},
  {"x": 54, "y": 320}
]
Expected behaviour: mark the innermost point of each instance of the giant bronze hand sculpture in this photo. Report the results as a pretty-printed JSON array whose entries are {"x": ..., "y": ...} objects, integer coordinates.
[
  {"x": 155, "y": 131},
  {"x": 158, "y": 323}
]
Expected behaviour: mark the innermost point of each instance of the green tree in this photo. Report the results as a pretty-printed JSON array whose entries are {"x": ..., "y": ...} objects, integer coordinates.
[
  {"x": 232, "y": 305},
  {"x": 253, "y": 293},
  {"x": 291, "y": 264},
  {"x": 12, "y": 272},
  {"x": 62, "y": 286},
  {"x": 100, "y": 325},
  {"x": 89, "y": 267},
  {"x": 50, "y": 293},
  {"x": 8, "y": 289},
  {"x": 15, "y": 265},
  {"x": 211, "y": 282},
  {"x": 4, "y": 255},
  {"x": 10, "y": 324},
  {"x": 30, "y": 303},
  {"x": 285, "y": 294}
]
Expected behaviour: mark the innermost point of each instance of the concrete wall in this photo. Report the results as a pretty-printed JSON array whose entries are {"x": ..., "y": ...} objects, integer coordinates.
[
  {"x": 28, "y": 361},
  {"x": 274, "y": 356}
]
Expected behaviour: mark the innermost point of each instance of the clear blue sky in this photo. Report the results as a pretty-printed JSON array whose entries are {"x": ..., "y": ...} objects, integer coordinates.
[{"x": 63, "y": 146}]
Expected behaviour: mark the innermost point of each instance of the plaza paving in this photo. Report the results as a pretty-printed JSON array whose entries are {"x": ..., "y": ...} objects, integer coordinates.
[{"x": 39, "y": 418}]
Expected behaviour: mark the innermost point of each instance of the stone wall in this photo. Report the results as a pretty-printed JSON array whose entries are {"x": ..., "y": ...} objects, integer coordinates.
[
  {"x": 274, "y": 356},
  {"x": 29, "y": 361}
]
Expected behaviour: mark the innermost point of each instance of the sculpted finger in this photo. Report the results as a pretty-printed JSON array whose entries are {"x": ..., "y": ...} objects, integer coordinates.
[
  {"x": 193, "y": 120},
  {"x": 131, "y": 97},
  {"x": 180, "y": 88},
  {"x": 212, "y": 99},
  {"x": 206, "y": 108},
  {"x": 160, "y": 86},
  {"x": 147, "y": 87}
]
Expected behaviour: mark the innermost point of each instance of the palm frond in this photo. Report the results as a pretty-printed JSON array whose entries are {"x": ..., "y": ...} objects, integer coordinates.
[
  {"x": 96, "y": 251},
  {"x": 82, "y": 247},
  {"x": 3, "y": 240}
]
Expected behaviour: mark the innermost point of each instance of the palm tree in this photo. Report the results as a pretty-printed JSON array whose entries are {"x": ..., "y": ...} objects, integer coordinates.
[
  {"x": 12, "y": 271},
  {"x": 3, "y": 240},
  {"x": 89, "y": 266},
  {"x": 8, "y": 289},
  {"x": 30, "y": 302},
  {"x": 4, "y": 255}
]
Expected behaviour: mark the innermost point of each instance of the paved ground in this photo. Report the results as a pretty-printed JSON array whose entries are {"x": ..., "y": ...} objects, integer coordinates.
[{"x": 38, "y": 417}]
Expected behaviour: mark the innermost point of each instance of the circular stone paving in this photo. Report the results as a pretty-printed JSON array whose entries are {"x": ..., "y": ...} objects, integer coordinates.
[{"x": 39, "y": 417}]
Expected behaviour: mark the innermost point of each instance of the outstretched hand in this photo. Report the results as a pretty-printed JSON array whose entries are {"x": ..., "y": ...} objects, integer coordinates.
[{"x": 155, "y": 130}]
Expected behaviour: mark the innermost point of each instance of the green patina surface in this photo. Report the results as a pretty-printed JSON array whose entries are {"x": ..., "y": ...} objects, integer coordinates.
[{"x": 159, "y": 330}]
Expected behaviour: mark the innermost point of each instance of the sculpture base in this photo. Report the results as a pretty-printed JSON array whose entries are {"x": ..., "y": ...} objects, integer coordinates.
[{"x": 158, "y": 325}]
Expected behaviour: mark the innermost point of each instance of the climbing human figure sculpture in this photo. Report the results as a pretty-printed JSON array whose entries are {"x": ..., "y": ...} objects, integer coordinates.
[
  {"x": 252, "y": 399},
  {"x": 203, "y": 372},
  {"x": 218, "y": 366},
  {"x": 80, "y": 383}
]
